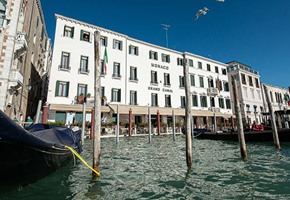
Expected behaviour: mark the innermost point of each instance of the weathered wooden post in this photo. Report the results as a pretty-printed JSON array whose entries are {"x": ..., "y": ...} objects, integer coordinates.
[
  {"x": 44, "y": 114},
  {"x": 233, "y": 123},
  {"x": 38, "y": 112},
  {"x": 97, "y": 105},
  {"x": 84, "y": 121},
  {"x": 92, "y": 123},
  {"x": 130, "y": 122},
  {"x": 241, "y": 135},
  {"x": 117, "y": 131},
  {"x": 187, "y": 113},
  {"x": 149, "y": 123},
  {"x": 206, "y": 122},
  {"x": 273, "y": 120},
  {"x": 158, "y": 122},
  {"x": 173, "y": 124}
]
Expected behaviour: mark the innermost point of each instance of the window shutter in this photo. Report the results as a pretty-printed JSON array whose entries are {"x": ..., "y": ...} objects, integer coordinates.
[
  {"x": 168, "y": 59},
  {"x": 114, "y": 43},
  {"x": 56, "y": 88},
  {"x": 119, "y": 95},
  {"x": 64, "y": 30},
  {"x": 150, "y": 55},
  {"x": 121, "y": 45},
  {"x": 162, "y": 57},
  {"x": 67, "y": 91},
  {"x": 131, "y": 72},
  {"x": 81, "y": 36},
  {"x": 112, "y": 95},
  {"x": 137, "y": 51},
  {"x": 130, "y": 47},
  {"x": 72, "y": 32}
]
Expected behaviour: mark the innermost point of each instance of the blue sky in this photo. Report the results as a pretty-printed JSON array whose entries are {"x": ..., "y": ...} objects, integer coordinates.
[{"x": 253, "y": 32}]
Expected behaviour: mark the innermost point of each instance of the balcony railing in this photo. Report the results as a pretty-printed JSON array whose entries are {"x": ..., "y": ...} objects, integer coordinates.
[
  {"x": 16, "y": 76},
  {"x": 64, "y": 67}
]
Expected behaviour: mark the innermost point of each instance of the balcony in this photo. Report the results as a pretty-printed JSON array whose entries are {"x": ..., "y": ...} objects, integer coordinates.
[
  {"x": 212, "y": 91},
  {"x": 15, "y": 76},
  {"x": 20, "y": 45}
]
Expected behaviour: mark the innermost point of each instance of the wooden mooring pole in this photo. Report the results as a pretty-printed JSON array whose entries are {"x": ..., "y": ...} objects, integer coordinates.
[
  {"x": 158, "y": 122},
  {"x": 187, "y": 113},
  {"x": 273, "y": 120},
  {"x": 241, "y": 136},
  {"x": 97, "y": 106},
  {"x": 173, "y": 124},
  {"x": 130, "y": 123}
]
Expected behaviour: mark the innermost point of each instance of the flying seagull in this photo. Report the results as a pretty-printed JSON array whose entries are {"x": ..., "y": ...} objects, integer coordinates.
[
  {"x": 201, "y": 11},
  {"x": 220, "y": 0}
]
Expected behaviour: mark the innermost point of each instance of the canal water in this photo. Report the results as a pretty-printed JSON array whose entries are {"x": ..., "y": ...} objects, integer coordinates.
[{"x": 137, "y": 169}]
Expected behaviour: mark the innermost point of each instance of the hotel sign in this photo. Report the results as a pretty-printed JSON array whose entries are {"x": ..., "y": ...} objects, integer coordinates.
[
  {"x": 158, "y": 89},
  {"x": 159, "y": 66}
]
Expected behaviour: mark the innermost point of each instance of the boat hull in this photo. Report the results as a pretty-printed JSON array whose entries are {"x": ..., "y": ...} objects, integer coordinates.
[{"x": 21, "y": 164}]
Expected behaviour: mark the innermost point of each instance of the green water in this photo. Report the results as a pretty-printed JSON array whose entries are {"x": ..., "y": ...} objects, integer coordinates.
[{"x": 136, "y": 169}]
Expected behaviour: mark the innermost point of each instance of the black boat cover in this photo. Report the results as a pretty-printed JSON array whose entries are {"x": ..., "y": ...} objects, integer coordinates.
[{"x": 38, "y": 135}]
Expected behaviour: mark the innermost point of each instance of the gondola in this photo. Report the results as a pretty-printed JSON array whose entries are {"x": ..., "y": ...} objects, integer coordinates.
[
  {"x": 27, "y": 156},
  {"x": 250, "y": 136}
]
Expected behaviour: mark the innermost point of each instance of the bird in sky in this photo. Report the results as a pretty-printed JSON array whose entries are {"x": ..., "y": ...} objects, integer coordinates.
[
  {"x": 201, "y": 11},
  {"x": 220, "y": 0}
]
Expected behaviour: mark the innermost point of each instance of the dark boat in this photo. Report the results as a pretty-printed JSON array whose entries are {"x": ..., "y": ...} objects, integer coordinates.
[
  {"x": 250, "y": 136},
  {"x": 26, "y": 156}
]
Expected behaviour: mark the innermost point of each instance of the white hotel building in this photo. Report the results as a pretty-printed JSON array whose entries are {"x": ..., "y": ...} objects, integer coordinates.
[{"x": 138, "y": 75}]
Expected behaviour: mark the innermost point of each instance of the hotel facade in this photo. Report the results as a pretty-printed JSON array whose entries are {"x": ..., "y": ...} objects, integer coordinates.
[{"x": 137, "y": 76}]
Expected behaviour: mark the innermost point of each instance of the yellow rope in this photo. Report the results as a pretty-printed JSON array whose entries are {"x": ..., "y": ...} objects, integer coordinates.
[{"x": 79, "y": 157}]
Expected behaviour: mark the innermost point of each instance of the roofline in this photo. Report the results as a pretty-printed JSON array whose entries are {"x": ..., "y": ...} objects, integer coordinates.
[{"x": 136, "y": 40}]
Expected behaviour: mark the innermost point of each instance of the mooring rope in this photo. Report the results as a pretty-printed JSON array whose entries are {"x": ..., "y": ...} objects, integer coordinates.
[{"x": 79, "y": 157}]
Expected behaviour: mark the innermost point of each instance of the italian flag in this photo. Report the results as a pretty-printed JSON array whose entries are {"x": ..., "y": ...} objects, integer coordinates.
[{"x": 105, "y": 60}]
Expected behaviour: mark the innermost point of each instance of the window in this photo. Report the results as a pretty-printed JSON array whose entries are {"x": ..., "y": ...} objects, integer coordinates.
[
  {"x": 65, "y": 57},
  {"x": 262, "y": 109},
  {"x": 165, "y": 58},
  {"x": 166, "y": 79},
  {"x": 250, "y": 81},
  {"x": 182, "y": 101},
  {"x": 84, "y": 64},
  {"x": 199, "y": 65},
  {"x": 117, "y": 44},
  {"x": 257, "y": 83},
  {"x": 60, "y": 116},
  {"x": 180, "y": 61},
  {"x": 210, "y": 83},
  {"x": 2, "y": 12},
  {"x": 133, "y": 74},
  {"x": 85, "y": 36},
  {"x": 154, "y": 99},
  {"x": 201, "y": 83},
  {"x": 116, "y": 70},
  {"x": 203, "y": 101},
  {"x": 153, "y": 55},
  {"x": 167, "y": 100},
  {"x": 243, "y": 79},
  {"x": 61, "y": 89},
  {"x": 82, "y": 89},
  {"x": 192, "y": 80},
  {"x": 255, "y": 108},
  {"x": 226, "y": 86},
  {"x": 190, "y": 63},
  {"x": 216, "y": 69},
  {"x": 154, "y": 77},
  {"x": 259, "y": 94},
  {"x": 221, "y": 103},
  {"x": 133, "y": 97},
  {"x": 253, "y": 93},
  {"x": 68, "y": 31},
  {"x": 104, "y": 41},
  {"x": 228, "y": 104},
  {"x": 133, "y": 50},
  {"x": 208, "y": 67},
  {"x": 194, "y": 100},
  {"x": 248, "y": 108},
  {"x": 245, "y": 91},
  {"x": 212, "y": 102},
  {"x": 224, "y": 71},
  {"x": 116, "y": 95},
  {"x": 181, "y": 81}
]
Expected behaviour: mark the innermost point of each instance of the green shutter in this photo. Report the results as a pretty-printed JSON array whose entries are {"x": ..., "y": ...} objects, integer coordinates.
[
  {"x": 56, "y": 88},
  {"x": 67, "y": 91},
  {"x": 81, "y": 36},
  {"x": 112, "y": 92},
  {"x": 119, "y": 95},
  {"x": 137, "y": 51},
  {"x": 130, "y": 47},
  {"x": 72, "y": 32}
]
